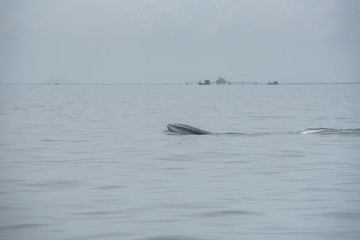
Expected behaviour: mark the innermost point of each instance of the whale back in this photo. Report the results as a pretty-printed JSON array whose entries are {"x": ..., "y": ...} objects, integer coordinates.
[{"x": 185, "y": 129}]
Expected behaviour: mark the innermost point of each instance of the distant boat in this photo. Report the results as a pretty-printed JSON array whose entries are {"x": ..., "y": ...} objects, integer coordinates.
[
  {"x": 56, "y": 81},
  {"x": 206, "y": 82},
  {"x": 273, "y": 83}
]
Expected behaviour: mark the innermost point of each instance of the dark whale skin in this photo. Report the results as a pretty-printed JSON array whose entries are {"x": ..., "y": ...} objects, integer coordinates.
[{"x": 185, "y": 129}]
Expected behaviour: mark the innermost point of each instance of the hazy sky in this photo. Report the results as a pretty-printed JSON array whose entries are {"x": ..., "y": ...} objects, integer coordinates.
[{"x": 175, "y": 41}]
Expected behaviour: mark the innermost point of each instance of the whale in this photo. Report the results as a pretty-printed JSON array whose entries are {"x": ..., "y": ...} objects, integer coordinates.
[{"x": 185, "y": 129}]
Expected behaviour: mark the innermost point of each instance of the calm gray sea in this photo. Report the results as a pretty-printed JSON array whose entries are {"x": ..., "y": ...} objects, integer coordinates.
[{"x": 96, "y": 162}]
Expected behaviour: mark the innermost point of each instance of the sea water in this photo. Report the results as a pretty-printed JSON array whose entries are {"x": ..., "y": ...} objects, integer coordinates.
[{"x": 96, "y": 162}]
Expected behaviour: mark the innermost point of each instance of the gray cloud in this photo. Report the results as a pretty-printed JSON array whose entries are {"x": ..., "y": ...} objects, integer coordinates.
[{"x": 175, "y": 41}]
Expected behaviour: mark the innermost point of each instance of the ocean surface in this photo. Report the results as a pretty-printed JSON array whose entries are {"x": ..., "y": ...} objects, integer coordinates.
[{"x": 97, "y": 162}]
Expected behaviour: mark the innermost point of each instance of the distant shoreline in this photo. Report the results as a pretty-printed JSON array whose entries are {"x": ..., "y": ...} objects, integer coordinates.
[{"x": 175, "y": 84}]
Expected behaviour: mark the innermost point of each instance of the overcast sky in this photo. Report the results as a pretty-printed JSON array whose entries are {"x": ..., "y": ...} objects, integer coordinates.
[{"x": 176, "y": 41}]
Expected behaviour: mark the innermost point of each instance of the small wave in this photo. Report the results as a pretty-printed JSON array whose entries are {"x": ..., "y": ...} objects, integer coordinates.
[
  {"x": 227, "y": 213},
  {"x": 343, "y": 215},
  {"x": 352, "y": 131},
  {"x": 21, "y": 226},
  {"x": 174, "y": 237}
]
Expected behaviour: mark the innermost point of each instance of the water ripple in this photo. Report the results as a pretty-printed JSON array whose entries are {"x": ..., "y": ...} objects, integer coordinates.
[
  {"x": 173, "y": 237},
  {"x": 226, "y": 213},
  {"x": 20, "y": 226},
  {"x": 343, "y": 215}
]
